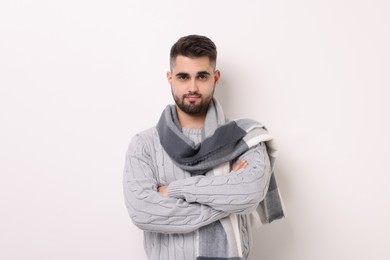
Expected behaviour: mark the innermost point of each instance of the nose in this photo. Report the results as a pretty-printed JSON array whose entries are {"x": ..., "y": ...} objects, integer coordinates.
[{"x": 193, "y": 86}]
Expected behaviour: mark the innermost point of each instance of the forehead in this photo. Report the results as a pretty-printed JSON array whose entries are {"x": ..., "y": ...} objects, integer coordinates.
[{"x": 192, "y": 65}]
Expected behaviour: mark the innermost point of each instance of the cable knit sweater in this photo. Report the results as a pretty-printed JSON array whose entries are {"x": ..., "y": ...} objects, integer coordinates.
[{"x": 171, "y": 223}]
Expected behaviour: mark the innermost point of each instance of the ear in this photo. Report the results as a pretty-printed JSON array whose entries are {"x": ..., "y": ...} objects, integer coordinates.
[
  {"x": 217, "y": 76},
  {"x": 169, "y": 77}
]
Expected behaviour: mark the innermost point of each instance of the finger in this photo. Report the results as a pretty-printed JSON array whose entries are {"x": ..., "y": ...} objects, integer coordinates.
[
  {"x": 243, "y": 164},
  {"x": 236, "y": 166},
  {"x": 239, "y": 165}
]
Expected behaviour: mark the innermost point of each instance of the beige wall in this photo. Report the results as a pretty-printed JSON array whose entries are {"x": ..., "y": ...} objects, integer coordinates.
[{"x": 79, "y": 78}]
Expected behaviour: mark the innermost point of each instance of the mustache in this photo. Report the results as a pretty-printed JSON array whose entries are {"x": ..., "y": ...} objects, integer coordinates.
[{"x": 192, "y": 94}]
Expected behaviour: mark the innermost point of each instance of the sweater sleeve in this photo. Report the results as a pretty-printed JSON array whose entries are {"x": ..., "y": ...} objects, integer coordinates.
[
  {"x": 237, "y": 192},
  {"x": 148, "y": 209}
]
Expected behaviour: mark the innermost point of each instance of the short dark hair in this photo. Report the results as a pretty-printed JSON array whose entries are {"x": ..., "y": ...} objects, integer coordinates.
[{"x": 194, "y": 46}]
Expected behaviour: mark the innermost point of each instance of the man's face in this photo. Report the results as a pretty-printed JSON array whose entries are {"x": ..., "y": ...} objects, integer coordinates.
[{"x": 192, "y": 83}]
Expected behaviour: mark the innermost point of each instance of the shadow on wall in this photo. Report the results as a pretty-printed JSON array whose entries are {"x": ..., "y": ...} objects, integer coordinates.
[
  {"x": 266, "y": 239},
  {"x": 278, "y": 234},
  {"x": 223, "y": 93}
]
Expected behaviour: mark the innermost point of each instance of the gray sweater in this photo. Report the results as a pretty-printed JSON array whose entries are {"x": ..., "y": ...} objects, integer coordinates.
[{"x": 171, "y": 223}]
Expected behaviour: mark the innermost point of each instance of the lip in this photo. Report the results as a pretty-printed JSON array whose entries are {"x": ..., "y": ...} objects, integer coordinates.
[{"x": 192, "y": 97}]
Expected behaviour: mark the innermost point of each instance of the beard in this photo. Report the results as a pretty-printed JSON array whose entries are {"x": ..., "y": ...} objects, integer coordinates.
[{"x": 192, "y": 108}]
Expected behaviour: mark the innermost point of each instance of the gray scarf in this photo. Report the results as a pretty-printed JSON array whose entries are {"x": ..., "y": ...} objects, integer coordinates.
[{"x": 223, "y": 141}]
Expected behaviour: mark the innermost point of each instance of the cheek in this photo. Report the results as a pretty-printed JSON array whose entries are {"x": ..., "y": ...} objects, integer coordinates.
[
  {"x": 177, "y": 84},
  {"x": 176, "y": 90},
  {"x": 209, "y": 87}
]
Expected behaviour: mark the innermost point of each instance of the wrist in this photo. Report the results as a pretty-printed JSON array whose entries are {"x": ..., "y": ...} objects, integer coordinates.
[{"x": 175, "y": 190}]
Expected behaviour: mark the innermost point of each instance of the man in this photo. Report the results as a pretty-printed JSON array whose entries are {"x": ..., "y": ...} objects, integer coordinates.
[{"x": 193, "y": 182}]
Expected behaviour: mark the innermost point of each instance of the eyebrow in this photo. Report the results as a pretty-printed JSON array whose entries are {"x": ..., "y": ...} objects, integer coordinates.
[
  {"x": 182, "y": 74},
  {"x": 203, "y": 73},
  {"x": 185, "y": 74}
]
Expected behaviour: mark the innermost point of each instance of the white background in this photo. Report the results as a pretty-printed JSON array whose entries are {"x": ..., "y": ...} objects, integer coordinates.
[{"x": 79, "y": 78}]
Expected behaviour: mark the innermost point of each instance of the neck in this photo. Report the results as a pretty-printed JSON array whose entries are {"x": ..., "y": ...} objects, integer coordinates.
[{"x": 190, "y": 121}]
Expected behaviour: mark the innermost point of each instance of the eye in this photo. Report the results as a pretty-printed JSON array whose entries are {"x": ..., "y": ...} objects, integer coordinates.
[
  {"x": 182, "y": 77},
  {"x": 202, "y": 77}
]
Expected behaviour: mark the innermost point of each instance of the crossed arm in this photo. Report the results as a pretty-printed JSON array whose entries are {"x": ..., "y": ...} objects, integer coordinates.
[
  {"x": 188, "y": 204},
  {"x": 241, "y": 164}
]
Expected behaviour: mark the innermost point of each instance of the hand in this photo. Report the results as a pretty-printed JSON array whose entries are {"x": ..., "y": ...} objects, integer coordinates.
[
  {"x": 163, "y": 190},
  {"x": 241, "y": 164}
]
